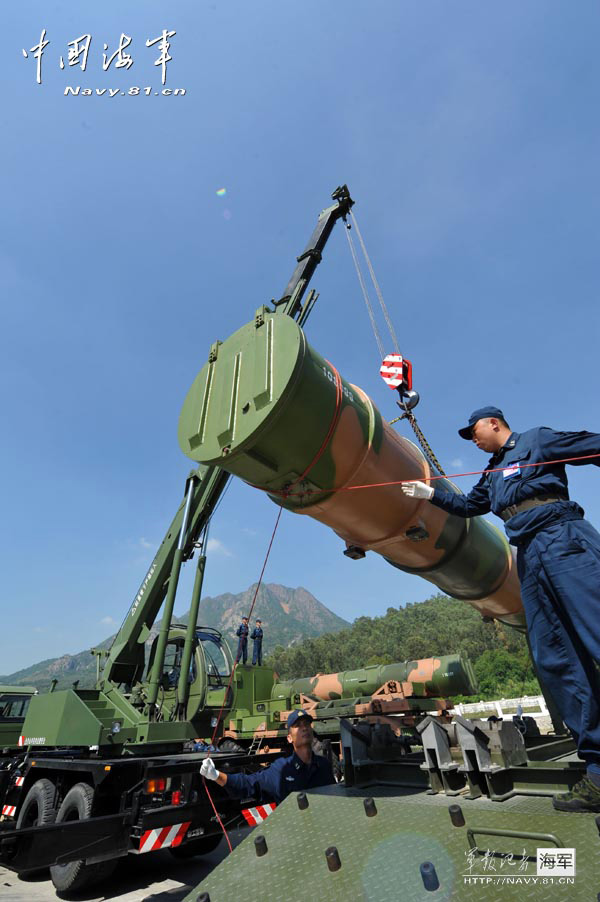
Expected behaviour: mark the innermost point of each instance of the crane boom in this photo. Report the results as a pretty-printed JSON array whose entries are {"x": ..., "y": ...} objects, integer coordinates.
[{"x": 204, "y": 487}]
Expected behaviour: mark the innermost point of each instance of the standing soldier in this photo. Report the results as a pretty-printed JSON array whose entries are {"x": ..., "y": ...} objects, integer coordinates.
[
  {"x": 257, "y": 637},
  {"x": 242, "y": 634},
  {"x": 558, "y": 562}
]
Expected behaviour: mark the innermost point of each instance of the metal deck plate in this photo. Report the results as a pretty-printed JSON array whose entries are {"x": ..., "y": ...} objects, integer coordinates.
[{"x": 380, "y": 856}]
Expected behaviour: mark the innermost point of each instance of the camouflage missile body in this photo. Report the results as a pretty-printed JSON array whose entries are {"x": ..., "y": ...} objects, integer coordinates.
[
  {"x": 398, "y": 694},
  {"x": 271, "y": 410},
  {"x": 445, "y": 676}
]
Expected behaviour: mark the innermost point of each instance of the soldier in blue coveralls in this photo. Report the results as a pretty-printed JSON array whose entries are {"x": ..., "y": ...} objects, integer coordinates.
[
  {"x": 301, "y": 770},
  {"x": 257, "y": 636},
  {"x": 242, "y": 634},
  {"x": 558, "y": 562}
]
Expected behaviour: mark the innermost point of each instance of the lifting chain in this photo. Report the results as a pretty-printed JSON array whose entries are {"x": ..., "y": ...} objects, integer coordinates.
[{"x": 425, "y": 446}]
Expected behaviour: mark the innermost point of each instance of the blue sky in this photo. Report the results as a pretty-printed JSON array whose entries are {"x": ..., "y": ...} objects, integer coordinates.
[{"x": 468, "y": 134}]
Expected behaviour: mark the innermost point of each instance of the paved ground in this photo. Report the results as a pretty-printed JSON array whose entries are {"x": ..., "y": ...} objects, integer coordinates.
[{"x": 156, "y": 877}]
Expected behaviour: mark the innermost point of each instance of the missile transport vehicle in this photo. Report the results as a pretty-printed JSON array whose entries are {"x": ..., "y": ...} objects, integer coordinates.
[
  {"x": 104, "y": 772},
  {"x": 399, "y": 695}
]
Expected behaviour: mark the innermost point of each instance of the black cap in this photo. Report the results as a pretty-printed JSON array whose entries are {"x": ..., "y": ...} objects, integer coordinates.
[
  {"x": 258, "y": 620},
  {"x": 295, "y": 716},
  {"x": 481, "y": 414}
]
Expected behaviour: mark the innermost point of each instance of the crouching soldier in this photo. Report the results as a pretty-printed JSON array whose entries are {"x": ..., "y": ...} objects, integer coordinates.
[{"x": 300, "y": 770}]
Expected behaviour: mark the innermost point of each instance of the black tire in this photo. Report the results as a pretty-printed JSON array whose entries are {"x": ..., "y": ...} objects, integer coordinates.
[
  {"x": 228, "y": 745},
  {"x": 201, "y": 846},
  {"x": 37, "y": 810},
  {"x": 77, "y": 806}
]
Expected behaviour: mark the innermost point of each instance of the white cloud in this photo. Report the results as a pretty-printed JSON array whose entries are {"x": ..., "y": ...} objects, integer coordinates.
[
  {"x": 108, "y": 621},
  {"x": 144, "y": 543},
  {"x": 217, "y": 547},
  {"x": 457, "y": 462}
]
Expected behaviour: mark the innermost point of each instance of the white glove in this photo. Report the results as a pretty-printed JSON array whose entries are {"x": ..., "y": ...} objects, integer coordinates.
[
  {"x": 417, "y": 490},
  {"x": 208, "y": 769}
]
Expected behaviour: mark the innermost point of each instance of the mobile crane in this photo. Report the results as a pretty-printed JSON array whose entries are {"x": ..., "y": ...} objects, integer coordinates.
[
  {"x": 98, "y": 773},
  {"x": 104, "y": 772}
]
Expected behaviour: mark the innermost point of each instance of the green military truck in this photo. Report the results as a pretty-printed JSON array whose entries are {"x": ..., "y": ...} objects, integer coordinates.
[
  {"x": 84, "y": 781},
  {"x": 14, "y": 701}
]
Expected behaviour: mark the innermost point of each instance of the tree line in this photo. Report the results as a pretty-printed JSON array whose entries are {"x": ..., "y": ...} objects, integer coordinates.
[{"x": 438, "y": 626}]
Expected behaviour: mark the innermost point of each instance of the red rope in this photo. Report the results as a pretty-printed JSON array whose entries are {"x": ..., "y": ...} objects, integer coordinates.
[
  {"x": 221, "y": 824},
  {"x": 226, "y": 695},
  {"x": 375, "y": 485}
]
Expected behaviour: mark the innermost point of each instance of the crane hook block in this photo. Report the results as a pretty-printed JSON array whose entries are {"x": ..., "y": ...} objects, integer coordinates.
[{"x": 396, "y": 371}]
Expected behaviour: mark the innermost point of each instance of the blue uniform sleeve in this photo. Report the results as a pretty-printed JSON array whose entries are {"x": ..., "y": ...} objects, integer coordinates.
[
  {"x": 266, "y": 782},
  {"x": 474, "y": 504},
  {"x": 559, "y": 445},
  {"x": 326, "y": 777}
]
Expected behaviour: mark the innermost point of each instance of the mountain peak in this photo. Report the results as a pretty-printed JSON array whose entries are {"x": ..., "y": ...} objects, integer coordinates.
[{"x": 288, "y": 616}]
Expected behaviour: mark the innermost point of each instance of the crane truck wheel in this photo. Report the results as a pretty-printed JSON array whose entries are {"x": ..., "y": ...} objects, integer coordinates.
[
  {"x": 37, "y": 810},
  {"x": 228, "y": 745},
  {"x": 201, "y": 846},
  {"x": 77, "y": 806}
]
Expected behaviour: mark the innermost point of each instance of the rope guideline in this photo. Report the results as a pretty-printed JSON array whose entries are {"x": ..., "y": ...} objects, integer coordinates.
[{"x": 233, "y": 669}]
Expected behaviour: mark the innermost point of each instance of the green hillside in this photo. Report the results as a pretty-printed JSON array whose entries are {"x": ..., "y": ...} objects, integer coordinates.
[{"x": 303, "y": 637}]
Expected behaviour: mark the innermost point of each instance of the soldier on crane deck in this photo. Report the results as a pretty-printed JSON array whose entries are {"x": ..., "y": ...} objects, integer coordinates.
[
  {"x": 558, "y": 562},
  {"x": 301, "y": 770},
  {"x": 257, "y": 637},
  {"x": 242, "y": 634}
]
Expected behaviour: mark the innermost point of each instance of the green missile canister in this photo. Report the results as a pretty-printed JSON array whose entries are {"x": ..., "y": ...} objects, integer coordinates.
[
  {"x": 444, "y": 676},
  {"x": 270, "y": 409}
]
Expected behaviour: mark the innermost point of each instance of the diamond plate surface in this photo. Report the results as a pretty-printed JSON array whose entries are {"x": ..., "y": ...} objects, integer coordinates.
[{"x": 381, "y": 855}]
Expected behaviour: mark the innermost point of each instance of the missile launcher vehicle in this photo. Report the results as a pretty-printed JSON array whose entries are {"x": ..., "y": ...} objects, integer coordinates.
[
  {"x": 392, "y": 831},
  {"x": 399, "y": 695}
]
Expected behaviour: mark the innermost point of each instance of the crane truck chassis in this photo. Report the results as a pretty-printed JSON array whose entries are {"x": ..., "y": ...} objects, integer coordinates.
[{"x": 70, "y": 803}]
